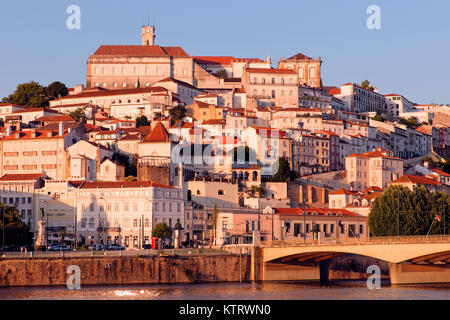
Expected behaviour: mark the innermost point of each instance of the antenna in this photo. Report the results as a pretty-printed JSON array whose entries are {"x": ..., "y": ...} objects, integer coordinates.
[{"x": 148, "y": 17}]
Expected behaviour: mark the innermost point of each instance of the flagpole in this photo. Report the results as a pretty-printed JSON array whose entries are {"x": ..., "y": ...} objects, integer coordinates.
[{"x": 430, "y": 229}]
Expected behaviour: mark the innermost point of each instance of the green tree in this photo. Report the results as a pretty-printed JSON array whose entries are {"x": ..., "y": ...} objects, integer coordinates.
[
  {"x": 177, "y": 113},
  {"x": 56, "y": 90},
  {"x": 222, "y": 74},
  {"x": 366, "y": 85},
  {"x": 400, "y": 211},
  {"x": 162, "y": 230},
  {"x": 30, "y": 94},
  {"x": 284, "y": 172},
  {"x": 411, "y": 122},
  {"x": 259, "y": 191},
  {"x": 378, "y": 117},
  {"x": 16, "y": 232},
  {"x": 142, "y": 121},
  {"x": 78, "y": 115}
]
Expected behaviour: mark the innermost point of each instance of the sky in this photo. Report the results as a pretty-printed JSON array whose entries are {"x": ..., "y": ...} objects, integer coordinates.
[{"x": 409, "y": 55}]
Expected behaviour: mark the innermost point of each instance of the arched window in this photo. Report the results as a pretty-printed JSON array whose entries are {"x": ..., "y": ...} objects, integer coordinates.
[
  {"x": 282, "y": 93},
  {"x": 255, "y": 175},
  {"x": 263, "y": 80},
  {"x": 312, "y": 73},
  {"x": 301, "y": 72}
]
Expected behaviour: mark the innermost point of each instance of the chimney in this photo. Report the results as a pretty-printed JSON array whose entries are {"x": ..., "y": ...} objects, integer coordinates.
[{"x": 61, "y": 128}]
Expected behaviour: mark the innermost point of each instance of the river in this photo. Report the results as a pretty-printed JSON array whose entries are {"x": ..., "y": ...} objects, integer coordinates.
[{"x": 336, "y": 290}]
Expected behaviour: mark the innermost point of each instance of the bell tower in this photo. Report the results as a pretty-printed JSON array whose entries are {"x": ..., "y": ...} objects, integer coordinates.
[{"x": 148, "y": 35}]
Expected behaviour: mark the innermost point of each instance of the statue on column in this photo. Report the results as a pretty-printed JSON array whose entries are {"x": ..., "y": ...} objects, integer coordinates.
[{"x": 41, "y": 239}]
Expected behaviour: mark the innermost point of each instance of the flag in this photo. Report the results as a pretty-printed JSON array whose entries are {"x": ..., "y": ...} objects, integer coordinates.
[
  {"x": 437, "y": 218},
  {"x": 340, "y": 223}
]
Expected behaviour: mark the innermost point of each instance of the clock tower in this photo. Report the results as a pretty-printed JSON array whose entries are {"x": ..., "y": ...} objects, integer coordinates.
[{"x": 148, "y": 35}]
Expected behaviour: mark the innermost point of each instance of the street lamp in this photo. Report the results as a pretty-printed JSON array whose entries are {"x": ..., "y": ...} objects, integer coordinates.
[{"x": 143, "y": 230}]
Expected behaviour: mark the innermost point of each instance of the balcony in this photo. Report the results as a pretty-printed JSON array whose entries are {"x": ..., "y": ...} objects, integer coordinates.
[{"x": 110, "y": 229}]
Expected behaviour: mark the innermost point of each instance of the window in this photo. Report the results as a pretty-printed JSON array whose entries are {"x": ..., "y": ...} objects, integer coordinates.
[
  {"x": 135, "y": 223},
  {"x": 220, "y": 192},
  {"x": 92, "y": 207},
  {"x": 273, "y": 94}
]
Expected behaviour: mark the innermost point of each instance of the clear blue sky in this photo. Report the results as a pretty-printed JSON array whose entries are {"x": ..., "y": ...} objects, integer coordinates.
[{"x": 409, "y": 55}]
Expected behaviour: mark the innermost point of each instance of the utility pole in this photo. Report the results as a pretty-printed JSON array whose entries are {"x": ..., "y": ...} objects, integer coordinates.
[{"x": 3, "y": 233}]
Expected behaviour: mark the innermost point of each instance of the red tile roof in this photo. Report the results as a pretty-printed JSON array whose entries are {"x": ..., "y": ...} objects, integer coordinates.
[
  {"x": 158, "y": 134},
  {"x": 417, "y": 180},
  {"x": 20, "y": 177},
  {"x": 116, "y": 92},
  {"x": 344, "y": 191},
  {"x": 226, "y": 60},
  {"x": 60, "y": 118},
  {"x": 264, "y": 70},
  {"x": 40, "y": 134},
  {"x": 148, "y": 51},
  {"x": 122, "y": 184},
  {"x": 299, "y": 56},
  {"x": 268, "y": 132},
  {"x": 440, "y": 172}
]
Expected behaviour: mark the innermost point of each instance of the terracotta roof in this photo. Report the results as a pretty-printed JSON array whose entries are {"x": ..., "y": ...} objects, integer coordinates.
[
  {"x": 344, "y": 191},
  {"x": 299, "y": 56},
  {"x": 20, "y": 177},
  {"x": 268, "y": 131},
  {"x": 372, "y": 154},
  {"x": 122, "y": 184},
  {"x": 440, "y": 172},
  {"x": 40, "y": 134},
  {"x": 334, "y": 91},
  {"x": 416, "y": 180},
  {"x": 35, "y": 110},
  {"x": 158, "y": 134},
  {"x": 60, "y": 118},
  {"x": 116, "y": 92},
  {"x": 215, "y": 122},
  {"x": 149, "y": 51},
  {"x": 311, "y": 211},
  {"x": 305, "y": 109},
  {"x": 227, "y": 60},
  {"x": 264, "y": 70},
  {"x": 372, "y": 189}
]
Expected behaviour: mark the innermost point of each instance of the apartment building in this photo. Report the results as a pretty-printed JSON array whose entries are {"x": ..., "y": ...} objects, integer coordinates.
[
  {"x": 362, "y": 100},
  {"x": 271, "y": 86},
  {"x": 125, "y": 212},
  {"x": 376, "y": 168},
  {"x": 37, "y": 150}
]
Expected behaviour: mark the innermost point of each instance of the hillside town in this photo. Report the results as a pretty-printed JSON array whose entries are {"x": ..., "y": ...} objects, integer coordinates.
[{"x": 220, "y": 149}]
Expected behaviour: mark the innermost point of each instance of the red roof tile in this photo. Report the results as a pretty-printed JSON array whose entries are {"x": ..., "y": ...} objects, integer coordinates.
[
  {"x": 117, "y": 92},
  {"x": 416, "y": 180},
  {"x": 344, "y": 191},
  {"x": 299, "y": 56},
  {"x": 158, "y": 134},
  {"x": 21, "y": 177},
  {"x": 149, "y": 51},
  {"x": 440, "y": 172}
]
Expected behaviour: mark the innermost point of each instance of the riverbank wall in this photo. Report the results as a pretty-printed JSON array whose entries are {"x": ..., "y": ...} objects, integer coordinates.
[{"x": 126, "y": 270}]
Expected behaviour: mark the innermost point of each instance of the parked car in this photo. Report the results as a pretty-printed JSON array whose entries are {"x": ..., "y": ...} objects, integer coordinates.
[
  {"x": 53, "y": 247},
  {"x": 97, "y": 247},
  {"x": 65, "y": 248},
  {"x": 114, "y": 247},
  {"x": 147, "y": 246}
]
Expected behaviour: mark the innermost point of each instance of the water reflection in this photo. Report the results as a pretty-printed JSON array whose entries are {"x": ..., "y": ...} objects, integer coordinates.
[{"x": 347, "y": 290}]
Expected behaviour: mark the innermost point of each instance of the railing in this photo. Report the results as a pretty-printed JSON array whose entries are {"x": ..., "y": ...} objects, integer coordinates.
[
  {"x": 114, "y": 253},
  {"x": 358, "y": 241}
]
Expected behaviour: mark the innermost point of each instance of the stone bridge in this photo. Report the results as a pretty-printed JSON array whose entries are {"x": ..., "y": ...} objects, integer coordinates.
[{"x": 410, "y": 259}]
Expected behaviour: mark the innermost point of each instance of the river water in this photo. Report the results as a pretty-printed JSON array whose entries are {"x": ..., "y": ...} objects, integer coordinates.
[{"x": 336, "y": 290}]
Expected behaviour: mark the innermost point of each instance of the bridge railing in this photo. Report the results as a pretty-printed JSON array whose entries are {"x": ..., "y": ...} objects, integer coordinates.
[
  {"x": 357, "y": 241},
  {"x": 110, "y": 253}
]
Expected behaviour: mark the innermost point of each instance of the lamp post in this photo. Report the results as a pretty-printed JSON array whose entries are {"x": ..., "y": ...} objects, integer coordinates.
[
  {"x": 143, "y": 230},
  {"x": 3, "y": 233}
]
